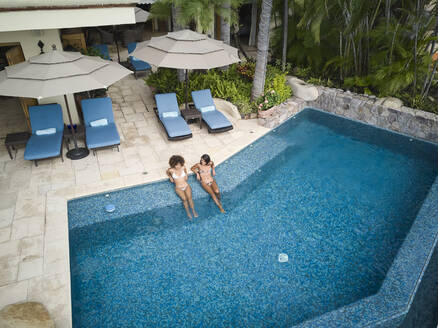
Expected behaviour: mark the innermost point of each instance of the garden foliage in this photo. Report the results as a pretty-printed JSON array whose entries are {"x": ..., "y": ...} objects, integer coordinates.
[
  {"x": 374, "y": 47},
  {"x": 233, "y": 84}
]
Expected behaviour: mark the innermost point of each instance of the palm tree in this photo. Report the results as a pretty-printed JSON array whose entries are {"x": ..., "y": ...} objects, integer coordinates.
[
  {"x": 225, "y": 22},
  {"x": 253, "y": 32},
  {"x": 262, "y": 50},
  {"x": 285, "y": 27}
]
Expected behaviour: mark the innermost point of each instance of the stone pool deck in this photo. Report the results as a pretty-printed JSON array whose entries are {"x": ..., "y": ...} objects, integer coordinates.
[{"x": 34, "y": 260}]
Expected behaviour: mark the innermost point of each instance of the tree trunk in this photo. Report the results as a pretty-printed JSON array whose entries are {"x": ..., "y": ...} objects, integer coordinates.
[
  {"x": 225, "y": 24},
  {"x": 285, "y": 27},
  {"x": 262, "y": 50},
  {"x": 253, "y": 32},
  {"x": 177, "y": 27}
]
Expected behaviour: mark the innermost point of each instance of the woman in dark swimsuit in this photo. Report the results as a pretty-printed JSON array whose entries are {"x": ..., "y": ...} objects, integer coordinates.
[{"x": 204, "y": 171}]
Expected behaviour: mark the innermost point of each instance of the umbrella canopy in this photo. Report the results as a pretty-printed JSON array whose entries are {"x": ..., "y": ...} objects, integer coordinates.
[
  {"x": 58, "y": 73},
  {"x": 186, "y": 49},
  {"x": 141, "y": 15}
]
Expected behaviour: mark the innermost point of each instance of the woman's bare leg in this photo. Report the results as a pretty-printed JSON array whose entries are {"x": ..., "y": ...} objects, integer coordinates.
[
  {"x": 188, "y": 193},
  {"x": 183, "y": 197},
  {"x": 210, "y": 191},
  {"x": 215, "y": 188}
]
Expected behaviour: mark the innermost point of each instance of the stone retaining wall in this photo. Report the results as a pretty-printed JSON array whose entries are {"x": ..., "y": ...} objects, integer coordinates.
[
  {"x": 367, "y": 109},
  {"x": 363, "y": 108},
  {"x": 283, "y": 111}
]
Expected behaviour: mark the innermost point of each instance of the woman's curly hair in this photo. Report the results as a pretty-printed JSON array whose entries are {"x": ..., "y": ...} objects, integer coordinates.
[{"x": 175, "y": 159}]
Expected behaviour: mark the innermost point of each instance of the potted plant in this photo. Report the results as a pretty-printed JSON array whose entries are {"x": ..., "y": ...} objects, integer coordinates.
[{"x": 265, "y": 104}]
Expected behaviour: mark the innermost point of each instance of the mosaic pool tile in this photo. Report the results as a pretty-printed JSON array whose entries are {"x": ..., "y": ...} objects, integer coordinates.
[{"x": 354, "y": 207}]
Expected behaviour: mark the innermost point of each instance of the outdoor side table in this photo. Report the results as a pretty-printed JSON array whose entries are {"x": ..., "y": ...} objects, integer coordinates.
[
  {"x": 15, "y": 139},
  {"x": 80, "y": 133},
  {"x": 192, "y": 114}
]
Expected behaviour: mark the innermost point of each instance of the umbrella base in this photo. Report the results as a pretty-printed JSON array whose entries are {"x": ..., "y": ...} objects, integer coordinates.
[{"x": 77, "y": 153}]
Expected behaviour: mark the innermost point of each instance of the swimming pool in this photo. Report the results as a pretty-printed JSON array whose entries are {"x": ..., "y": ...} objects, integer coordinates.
[{"x": 353, "y": 207}]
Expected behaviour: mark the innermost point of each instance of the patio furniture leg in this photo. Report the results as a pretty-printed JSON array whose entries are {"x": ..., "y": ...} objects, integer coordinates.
[
  {"x": 9, "y": 151},
  {"x": 118, "y": 148},
  {"x": 36, "y": 162}
]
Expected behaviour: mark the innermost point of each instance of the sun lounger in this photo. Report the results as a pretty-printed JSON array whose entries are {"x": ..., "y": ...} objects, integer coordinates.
[
  {"x": 103, "y": 49},
  {"x": 100, "y": 129},
  {"x": 215, "y": 120},
  {"x": 170, "y": 117},
  {"x": 137, "y": 64},
  {"x": 47, "y": 132}
]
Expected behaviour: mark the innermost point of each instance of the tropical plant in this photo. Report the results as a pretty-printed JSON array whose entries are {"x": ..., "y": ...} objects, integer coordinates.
[
  {"x": 267, "y": 101},
  {"x": 262, "y": 49},
  {"x": 379, "y": 47},
  {"x": 200, "y": 12},
  {"x": 227, "y": 84}
]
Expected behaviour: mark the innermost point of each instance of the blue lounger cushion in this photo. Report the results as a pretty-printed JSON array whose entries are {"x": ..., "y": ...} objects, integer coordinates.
[
  {"x": 103, "y": 49},
  {"x": 102, "y": 136},
  {"x": 176, "y": 126},
  {"x": 213, "y": 118},
  {"x": 137, "y": 64},
  {"x": 43, "y": 146},
  {"x": 44, "y": 117},
  {"x": 170, "y": 115},
  {"x": 95, "y": 109},
  {"x": 216, "y": 120}
]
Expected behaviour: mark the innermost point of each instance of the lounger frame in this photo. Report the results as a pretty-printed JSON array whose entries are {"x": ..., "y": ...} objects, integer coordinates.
[
  {"x": 224, "y": 129},
  {"x": 186, "y": 136}
]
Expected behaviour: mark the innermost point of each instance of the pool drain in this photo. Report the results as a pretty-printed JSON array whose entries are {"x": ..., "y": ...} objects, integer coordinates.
[
  {"x": 282, "y": 257},
  {"x": 110, "y": 208}
]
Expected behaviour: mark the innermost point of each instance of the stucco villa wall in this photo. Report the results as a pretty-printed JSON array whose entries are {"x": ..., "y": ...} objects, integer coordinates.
[{"x": 28, "y": 41}]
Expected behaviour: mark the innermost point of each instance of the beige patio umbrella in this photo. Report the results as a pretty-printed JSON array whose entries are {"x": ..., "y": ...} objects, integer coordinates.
[
  {"x": 141, "y": 15},
  {"x": 186, "y": 50},
  {"x": 58, "y": 73}
]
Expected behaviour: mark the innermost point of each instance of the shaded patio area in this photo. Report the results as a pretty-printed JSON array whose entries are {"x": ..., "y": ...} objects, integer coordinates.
[{"x": 33, "y": 209}]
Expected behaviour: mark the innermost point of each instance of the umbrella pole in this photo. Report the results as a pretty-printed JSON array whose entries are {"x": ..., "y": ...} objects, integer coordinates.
[
  {"x": 117, "y": 44},
  {"x": 77, "y": 152},
  {"x": 118, "y": 53},
  {"x": 187, "y": 88}
]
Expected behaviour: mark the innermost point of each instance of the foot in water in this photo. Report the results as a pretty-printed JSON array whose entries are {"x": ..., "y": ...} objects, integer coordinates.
[{"x": 195, "y": 214}]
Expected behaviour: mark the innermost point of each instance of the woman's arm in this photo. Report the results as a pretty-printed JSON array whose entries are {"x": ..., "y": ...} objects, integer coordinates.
[
  {"x": 195, "y": 169},
  {"x": 169, "y": 174},
  {"x": 187, "y": 175},
  {"x": 213, "y": 172}
]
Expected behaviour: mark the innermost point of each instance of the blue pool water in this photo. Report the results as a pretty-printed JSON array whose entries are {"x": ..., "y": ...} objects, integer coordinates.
[{"x": 338, "y": 197}]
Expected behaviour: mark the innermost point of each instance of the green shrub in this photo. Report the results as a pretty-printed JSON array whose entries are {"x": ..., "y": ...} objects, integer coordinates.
[
  {"x": 268, "y": 100},
  {"x": 244, "y": 107},
  {"x": 163, "y": 80},
  {"x": 281, "y": 88},
  {"x": 233, "y": 84}
]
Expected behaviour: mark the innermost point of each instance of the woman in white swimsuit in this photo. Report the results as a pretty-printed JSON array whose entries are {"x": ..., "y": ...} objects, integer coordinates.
[
  {"x": 178, "y": 175},
  {"x": 204, "y": 171}
]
